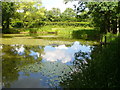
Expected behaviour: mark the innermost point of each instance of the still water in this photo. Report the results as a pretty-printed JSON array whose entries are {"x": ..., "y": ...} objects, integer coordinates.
[{"x": 35, "y": 66}]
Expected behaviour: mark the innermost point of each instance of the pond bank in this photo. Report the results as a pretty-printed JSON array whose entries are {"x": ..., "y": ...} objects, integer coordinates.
[{"x": 43, "y": 40}]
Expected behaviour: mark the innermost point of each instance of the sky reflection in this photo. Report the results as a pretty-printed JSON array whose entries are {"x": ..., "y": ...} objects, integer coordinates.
[
  {"x": 34, "y": 54},
  {"x": 62, "y": 53}
]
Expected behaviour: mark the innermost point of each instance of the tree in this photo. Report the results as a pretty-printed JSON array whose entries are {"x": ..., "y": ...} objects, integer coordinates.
[
  {"x": 104, "y": 15},
  {"x": 0, "y": 14},
  {"x": 32, "y": 14},
  {"x": 68, "y": 14},
  {"x": 8, "y": 10},
  {"x": 83, "y": 16},
  {"x": 118, "y": 9},
  {"x": 53, "y": 15}
]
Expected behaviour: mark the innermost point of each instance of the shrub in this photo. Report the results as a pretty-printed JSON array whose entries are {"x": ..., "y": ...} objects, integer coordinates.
[{"x": 85, "y": 24}]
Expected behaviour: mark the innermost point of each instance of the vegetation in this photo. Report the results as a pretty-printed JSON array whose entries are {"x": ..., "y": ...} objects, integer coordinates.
[
  {"x": 14, "y": 61},
  {"x": 88, "y": 21},
  {"x": 9, "y": 10},
  {"x": 103, "y": 70},
  {"x": 108, "y": 12},
  {"x": 105, "y": 16}
]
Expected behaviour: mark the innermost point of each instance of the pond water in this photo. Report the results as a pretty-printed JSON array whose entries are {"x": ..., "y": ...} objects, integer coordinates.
[{"x": 40, "y": 66}]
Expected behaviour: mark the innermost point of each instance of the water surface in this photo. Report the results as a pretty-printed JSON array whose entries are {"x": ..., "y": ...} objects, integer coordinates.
[
  {"x": 35, "y": 66},
  {"x": 40, "y": 62}
]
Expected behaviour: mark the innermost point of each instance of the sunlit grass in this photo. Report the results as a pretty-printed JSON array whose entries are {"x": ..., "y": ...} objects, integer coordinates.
[{"x": 40, "y": 40}]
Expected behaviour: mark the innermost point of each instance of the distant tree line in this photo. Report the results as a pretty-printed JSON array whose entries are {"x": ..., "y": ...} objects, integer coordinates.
[
  {"x": 31, "y": 14},
  {"x": 105, "y": 16}
]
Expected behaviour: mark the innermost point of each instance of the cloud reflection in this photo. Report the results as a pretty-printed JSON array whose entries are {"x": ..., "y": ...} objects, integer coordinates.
[
  {"x": 62, "y": 53},
  {"x": 20, "y": 50},
  {"x": 34, "y": 54}
]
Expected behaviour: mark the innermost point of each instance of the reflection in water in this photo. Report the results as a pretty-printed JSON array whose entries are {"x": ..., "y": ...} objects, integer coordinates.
[
  {"x": 34, "y": 54},
  {"x": 38, "y": 66},
  {"x": 62, "y": 53},
  {"x": 20, "y": 50}
]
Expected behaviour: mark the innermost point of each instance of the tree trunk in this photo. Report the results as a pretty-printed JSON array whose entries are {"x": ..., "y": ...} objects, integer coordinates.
[
  {"x": 108, "y": 21},
  {"x": 7, "y": 24},
  {"x": 119, "y": 16},
  {"x": 114, "y": 27},
  {"x": 118, "y": 25}
]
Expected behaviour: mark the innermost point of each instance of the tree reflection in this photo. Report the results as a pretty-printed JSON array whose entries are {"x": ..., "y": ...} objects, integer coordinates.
[
  {"x": 76, "y": 76},
  {"x": 11, "y": 61}
]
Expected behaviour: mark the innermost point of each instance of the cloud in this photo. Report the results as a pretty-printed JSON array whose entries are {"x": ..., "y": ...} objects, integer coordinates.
[{"x": 49, "y": 4}]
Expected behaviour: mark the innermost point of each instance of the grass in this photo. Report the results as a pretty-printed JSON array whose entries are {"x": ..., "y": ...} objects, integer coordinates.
[
  {"x": 68, "y": 31},
  {"x": 42, "y": 40},
  {"x": 77, "y": 32},
  {"x": 43, "y": 35}
]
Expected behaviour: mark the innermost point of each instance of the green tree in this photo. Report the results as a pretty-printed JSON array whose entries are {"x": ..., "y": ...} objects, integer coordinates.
[
  {"x": 118, "y": 13},
  {"x": 32, "y": 13},
  {"x": 53, "y": 15},
  {"x": 8, "y": 10},
  {"x": 83, "y": 16},
  {"x": 69, "y": 14},
  {"x": 105, "y": 14}
]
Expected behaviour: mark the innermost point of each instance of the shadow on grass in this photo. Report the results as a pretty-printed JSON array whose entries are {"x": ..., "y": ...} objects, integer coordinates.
[
  {"x": 53, "y": 38},
  {"x": 88, "y": 34},
  {"x": 12, "y": 36},
  {"x": 7, "y": 37}
]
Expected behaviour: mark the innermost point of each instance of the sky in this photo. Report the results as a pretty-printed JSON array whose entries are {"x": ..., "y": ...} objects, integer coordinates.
[{"x": 49, "y": 4}]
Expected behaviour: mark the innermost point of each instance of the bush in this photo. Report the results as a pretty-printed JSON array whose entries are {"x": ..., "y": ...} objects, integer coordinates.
[
  {"x": 33, "y": 30},
  {"x": 11, "y": 31},
  {"x": 36, "y": 24},
  {"x": 84, "y": 24}
]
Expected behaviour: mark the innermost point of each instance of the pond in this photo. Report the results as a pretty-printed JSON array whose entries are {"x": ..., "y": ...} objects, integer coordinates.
[{"x": 40, "y": 66}]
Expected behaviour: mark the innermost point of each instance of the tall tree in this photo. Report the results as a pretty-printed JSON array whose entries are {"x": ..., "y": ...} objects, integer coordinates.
[
  {"x": 31, "y": 14},
  {"x": 68, "y": 14},
  {"x": 53, "y": 14},
  {"x": 8, "y": 10},
  {"x": 104, "y": 15},
  {"x": 119, "y": 15}
]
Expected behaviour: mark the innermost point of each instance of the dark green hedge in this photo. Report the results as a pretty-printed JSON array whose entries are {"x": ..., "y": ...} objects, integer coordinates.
[{"x": 69, "y": 23}]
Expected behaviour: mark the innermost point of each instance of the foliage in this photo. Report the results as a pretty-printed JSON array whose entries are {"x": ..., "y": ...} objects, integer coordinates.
[
  {"x": 100, "y": 72},
  {"x": 11, "y": 61},
  {"x": 86, "y": 34},
  {"x": 83, "y": 16},
  {"x": 104, "y": 15},
  {"x": 8, "y": 9},
  {"x": 17, "y": 24},
  {"x": 53, "y": 15},
  {"x": 68, "y": 15},
  {"x": 25, "y": 13},
  {"x": 74, "y": 32},
  {"x": 84, "y": 24},
  {"x": 109, "y": 37}
]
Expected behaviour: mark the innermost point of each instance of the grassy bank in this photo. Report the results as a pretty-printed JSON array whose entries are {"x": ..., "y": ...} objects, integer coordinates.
[
  {"x": 102, "y": 71},
  {"x": 74, "y": 32},
  {"x": 86, "y": 33}
]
